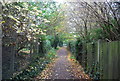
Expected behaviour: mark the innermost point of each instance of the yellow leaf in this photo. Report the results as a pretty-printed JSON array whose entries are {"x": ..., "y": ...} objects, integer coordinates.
[{"x": 2, "y": 22}]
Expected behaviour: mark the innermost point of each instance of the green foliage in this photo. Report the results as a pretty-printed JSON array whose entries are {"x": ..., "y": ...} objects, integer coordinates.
[
  {"x": 35, "y": 67},
  {"x": 33, "y": 25},
  {"x": 25, "y": 24},
  {"x": 71, "y": 46},
  {"x": 51, "y": 54},
  {"x": 25, "y": 49},
  {"x": 96, "y": 34},
  {"x": 72, "y": 57}
]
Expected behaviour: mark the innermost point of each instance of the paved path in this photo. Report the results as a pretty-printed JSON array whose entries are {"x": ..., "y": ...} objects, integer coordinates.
[{"x": 61, "y": 69}]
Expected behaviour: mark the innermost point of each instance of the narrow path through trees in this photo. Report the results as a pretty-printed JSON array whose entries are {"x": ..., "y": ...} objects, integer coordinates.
[
  {"x": 31, "y": 33},
  {"x": 63, "y": 68}
]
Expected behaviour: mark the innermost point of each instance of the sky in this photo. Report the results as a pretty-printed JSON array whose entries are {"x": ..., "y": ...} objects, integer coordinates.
[{"x": 59, "y": 1}]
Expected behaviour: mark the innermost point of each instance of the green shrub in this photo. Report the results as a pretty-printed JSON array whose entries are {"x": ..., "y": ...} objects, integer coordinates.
[{"x": 36, "y": 66}]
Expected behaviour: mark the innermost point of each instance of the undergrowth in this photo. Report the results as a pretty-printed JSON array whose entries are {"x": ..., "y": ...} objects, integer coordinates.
[{"x": 36, "y": 66}]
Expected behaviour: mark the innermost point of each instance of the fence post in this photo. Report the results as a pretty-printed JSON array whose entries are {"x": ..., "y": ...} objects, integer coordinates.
[
  {"x": 12, "y": 56},
  {"x": 98, "y": 51},
  {"x": 0, "y": 42},
  {"x": 118, "y": 59},
  {"x": 0, "y": 51}
]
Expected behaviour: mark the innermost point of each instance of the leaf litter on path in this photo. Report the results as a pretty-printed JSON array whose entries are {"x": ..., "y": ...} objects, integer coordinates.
[{"x": 63, "y": 68}]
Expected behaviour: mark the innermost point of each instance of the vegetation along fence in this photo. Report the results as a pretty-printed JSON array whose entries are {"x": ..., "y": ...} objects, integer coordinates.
[
  {"x": 100, "y": 59},
  {"x": 14, "y": 60}
]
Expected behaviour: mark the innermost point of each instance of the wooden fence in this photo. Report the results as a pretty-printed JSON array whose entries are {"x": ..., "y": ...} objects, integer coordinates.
[
  {"x": 101, "y": 60},
  {"x": 12, "y": 61}
]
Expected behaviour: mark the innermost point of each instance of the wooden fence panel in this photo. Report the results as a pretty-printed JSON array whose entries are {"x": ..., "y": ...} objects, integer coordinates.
[
  {"x": 102, "y": 60},
  {"x": 8, "y": 53}
]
